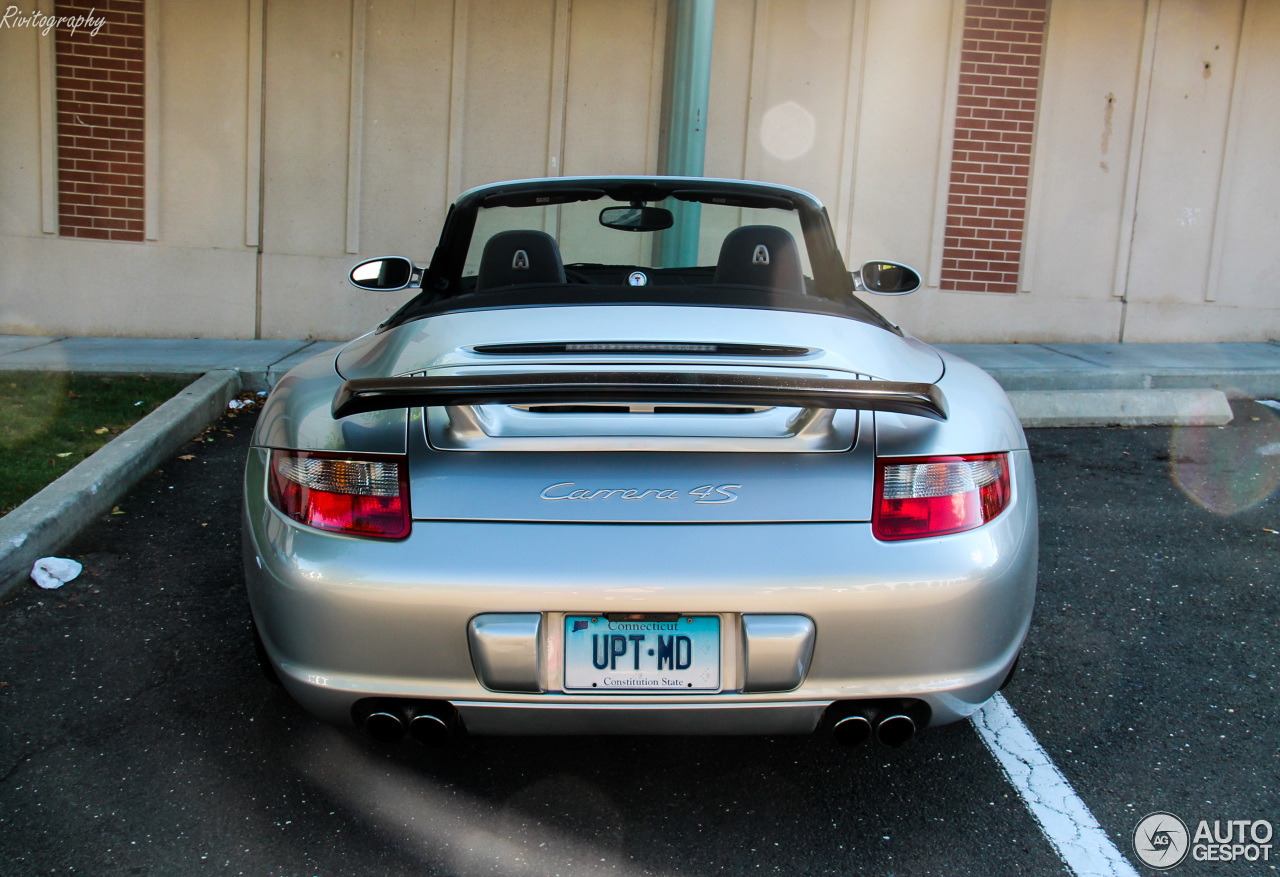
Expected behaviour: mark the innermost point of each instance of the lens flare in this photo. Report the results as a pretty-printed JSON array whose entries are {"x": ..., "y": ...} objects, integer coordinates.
[
  {"x": 1228, "y": 469},
  {"x": 788, "y": 131}
]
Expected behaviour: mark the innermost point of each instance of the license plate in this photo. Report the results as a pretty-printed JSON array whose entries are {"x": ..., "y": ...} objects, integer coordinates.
[{"x": 604, "y": 655}]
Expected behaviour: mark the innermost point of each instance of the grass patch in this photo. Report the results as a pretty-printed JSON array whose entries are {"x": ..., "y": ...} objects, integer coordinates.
[{"x": 50, "y": 421}]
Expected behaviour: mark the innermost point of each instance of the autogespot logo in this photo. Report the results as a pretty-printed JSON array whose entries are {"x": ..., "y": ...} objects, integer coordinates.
[{"x": 1161, "y": 840}]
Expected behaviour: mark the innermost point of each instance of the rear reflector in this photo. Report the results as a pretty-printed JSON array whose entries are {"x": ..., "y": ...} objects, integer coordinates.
[
  {"x": 343, "y": 493},
  {"x": 932, "y": 496}
]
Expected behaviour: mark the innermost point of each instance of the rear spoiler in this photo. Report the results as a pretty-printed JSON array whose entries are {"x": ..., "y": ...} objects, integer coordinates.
[{"x": 377, "y": 394}]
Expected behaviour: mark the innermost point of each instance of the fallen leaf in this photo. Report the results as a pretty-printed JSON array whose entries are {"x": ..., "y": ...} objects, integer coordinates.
[
  {"x": 101, "y": 430},
  {"x": 187, "y": 457},
  {"x": 116, "y": 510},
  {"x": 63, "y": 454}
]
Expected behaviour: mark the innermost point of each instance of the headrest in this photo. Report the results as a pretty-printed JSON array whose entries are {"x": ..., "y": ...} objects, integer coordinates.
[
  {"x": 760, "y": 255},
  {"x": 514, "y": 258}
]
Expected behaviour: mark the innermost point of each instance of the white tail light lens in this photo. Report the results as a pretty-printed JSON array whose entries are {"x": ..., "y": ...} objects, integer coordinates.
[
  {"x": 932, "y": 496},
  {"x": 363, "y": 496}
]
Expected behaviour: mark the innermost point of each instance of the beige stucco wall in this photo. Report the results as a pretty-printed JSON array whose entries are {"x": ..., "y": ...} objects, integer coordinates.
[
  {"x": 1205, "y": 260},
  {"x": 196, "y": 279},
  {"x": 19, "y": 134},
  {"x": 1152, "y": 210},
  {"x": 453, "y": 96}
]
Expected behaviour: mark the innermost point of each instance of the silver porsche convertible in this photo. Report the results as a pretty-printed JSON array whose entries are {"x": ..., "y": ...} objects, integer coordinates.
[{"x": 635, "y": 457}]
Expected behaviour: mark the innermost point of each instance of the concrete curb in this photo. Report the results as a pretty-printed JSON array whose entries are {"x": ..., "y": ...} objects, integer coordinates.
[
  {"x": 1056, "y": 408},
  {"x": 1236, "y": 383},
  {"x": 46, "y": 522}
]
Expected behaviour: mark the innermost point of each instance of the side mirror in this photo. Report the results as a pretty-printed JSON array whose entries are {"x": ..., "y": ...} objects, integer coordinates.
[
  {"x": 386, "y": 274},
  {"x": 885, "y": 278}
]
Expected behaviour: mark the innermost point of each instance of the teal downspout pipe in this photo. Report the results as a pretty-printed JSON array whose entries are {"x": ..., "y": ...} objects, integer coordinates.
[{"x": 690, "y": 30}]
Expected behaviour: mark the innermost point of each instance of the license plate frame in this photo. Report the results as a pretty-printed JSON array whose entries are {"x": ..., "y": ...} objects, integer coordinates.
[{"x": 658, "y": 647}]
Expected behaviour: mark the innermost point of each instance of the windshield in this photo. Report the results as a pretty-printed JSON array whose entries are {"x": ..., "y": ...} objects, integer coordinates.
[
  {"x": 637, "y": 241},
  {"x": 695, "y": 238}
]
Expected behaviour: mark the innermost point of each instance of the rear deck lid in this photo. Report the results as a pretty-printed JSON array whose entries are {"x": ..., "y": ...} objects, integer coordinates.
[{"x": 642, "y": 486}]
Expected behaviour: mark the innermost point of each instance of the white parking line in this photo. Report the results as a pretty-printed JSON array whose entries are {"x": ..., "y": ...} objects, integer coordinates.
[{"x": 1063, "y": 817}]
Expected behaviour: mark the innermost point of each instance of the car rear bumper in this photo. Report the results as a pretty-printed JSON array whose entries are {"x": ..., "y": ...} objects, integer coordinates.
[{"x": 939, "y": 620}]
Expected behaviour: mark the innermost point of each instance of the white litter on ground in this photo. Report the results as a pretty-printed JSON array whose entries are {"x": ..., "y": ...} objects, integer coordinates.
[
  {"x": 235, "y": 403},
  {"x": 1270, "y": 403},
  {"x": 54, "y": 572}
]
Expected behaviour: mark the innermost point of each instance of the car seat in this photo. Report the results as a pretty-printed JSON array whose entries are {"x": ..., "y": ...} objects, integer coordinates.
[
  {"x": 517, "y": 258},
  {"x": 760, "y": 255}
]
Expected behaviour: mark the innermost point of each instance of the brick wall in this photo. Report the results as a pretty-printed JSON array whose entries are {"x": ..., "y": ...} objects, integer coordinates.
[
  {"x": 100, "y": 122},
  {"x": 991, "y": 159}
]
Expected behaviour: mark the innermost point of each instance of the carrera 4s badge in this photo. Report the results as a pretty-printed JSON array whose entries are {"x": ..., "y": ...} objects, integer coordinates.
[{"x": 707, "y": 494}]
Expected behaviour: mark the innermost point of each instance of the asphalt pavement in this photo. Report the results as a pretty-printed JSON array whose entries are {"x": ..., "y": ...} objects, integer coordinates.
[{"x": 138, "y": 737}]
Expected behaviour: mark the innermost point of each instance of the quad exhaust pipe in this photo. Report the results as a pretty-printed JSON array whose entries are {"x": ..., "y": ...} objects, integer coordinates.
[
  {"x": 430, "y": 723},
  {"x": 890, "y": 723},
  {"x": 384, "y": 725},
  {"x": 431, "y": 730},
  {"x": 895, "y": 729},
  {"x": 854, "y": 730}
]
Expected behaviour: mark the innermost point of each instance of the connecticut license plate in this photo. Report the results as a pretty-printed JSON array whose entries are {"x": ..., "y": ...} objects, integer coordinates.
[{"x": 604, "y": 655}]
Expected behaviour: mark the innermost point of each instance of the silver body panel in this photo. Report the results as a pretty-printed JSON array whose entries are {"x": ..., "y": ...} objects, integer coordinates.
[
  {"x": 541, "y": 485},
  {"x": 505, "y": 719},
  {"x": 776, "y": 651},
  {"x": 448, "y": 340},
  {"x": 505, "y": 650},
  {"x": 939, "y": 619},
  {"x": 521, "y": 517}
]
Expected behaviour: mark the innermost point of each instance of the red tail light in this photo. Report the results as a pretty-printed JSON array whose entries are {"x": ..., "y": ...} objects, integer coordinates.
[
  {"x": 932, "y": 496},
  {"x": 345, "y": 493}
]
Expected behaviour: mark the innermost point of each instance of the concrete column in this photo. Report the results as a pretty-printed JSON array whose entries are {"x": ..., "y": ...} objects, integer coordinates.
[{"x": 689, "y": 32}]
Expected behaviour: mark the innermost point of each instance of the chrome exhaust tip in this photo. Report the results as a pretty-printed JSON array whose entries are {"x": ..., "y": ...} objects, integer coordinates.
[
  {"x": 384, "y": 726},
  {"x": 429, "y": 722},
  {"x": 888, "y": 722},
  {"x": 851, "y": 731},
  {"x": 430, "y": 730},
  {"x": 895, "y": 729}
]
